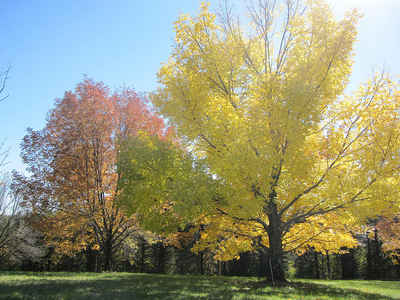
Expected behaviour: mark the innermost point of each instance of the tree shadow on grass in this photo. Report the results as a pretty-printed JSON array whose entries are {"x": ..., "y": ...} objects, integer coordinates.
[
  {"x": 40, "y": 274},
  {"x": 151, "y": 286},
  {"x": 317, "y": 291},
  {"x": 135, "y": 286}
]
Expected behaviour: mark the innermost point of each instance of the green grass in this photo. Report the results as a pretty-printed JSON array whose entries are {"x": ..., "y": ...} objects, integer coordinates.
[
  {"x": 385, "y": 288},
  {"x": 25, "y": 285}
]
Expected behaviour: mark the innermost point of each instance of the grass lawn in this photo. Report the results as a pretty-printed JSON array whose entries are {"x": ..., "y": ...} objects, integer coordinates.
[
  {"x": 25, "y": 285},
  {"x": 385, "y": 288}
]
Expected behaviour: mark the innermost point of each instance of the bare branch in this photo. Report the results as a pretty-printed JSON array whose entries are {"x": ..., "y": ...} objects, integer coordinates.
[
  {"x": 257, "y": 220},
  {"x": 3, "y": 80},
  {"x": 312, "y": 212}
]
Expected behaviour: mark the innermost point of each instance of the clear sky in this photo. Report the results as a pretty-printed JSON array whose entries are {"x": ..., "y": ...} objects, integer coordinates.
[{"x": 50, "y": 45}]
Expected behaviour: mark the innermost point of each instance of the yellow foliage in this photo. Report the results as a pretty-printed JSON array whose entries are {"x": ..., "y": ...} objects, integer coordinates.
[{"x": 266, "y": 112}]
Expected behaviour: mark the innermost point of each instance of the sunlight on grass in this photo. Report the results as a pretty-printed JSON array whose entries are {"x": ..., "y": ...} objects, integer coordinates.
[
  {"x": 385, "y": 288},
  {"x": 26, "y": 285}
]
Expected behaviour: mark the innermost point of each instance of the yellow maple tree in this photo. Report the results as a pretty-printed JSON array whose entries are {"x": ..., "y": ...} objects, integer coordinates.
[{"x": 264, "y": 106}]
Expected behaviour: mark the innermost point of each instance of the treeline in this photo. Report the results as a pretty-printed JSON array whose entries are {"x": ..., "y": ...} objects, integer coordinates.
[
  {"x": 145, "y": 252},
  {"x": 363, "y": 262}
]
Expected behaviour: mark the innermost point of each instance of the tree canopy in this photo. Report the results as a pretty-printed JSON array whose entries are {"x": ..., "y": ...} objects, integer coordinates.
[
  {"x": 264, "y": 107},
  {"x": 72, "y": 187}
]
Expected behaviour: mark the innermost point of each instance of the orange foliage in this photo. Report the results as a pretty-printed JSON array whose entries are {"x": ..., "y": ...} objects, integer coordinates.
[
  {"x": 74, "y": 184},
  {"x": 389, "y": 233}
]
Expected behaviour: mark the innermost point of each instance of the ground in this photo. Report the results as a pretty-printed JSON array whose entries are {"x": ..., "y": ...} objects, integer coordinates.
[{"x": 26, "y": 285}]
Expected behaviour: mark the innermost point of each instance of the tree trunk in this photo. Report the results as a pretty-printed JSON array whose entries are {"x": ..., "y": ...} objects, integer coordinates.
[
  {"x": 90, "y": 259},
  {"x": 370, "y": 273},
  {"x": 348, "y": 265},
  {"x": 108, "y": 255},
  {"x": 378, "y": 263},
  {"x": 276, "y": 255},
  {"x": 161, "y": 258},
  {"x": 142, "y": 247},
  {"x": 201, "y": 262},
  {"x": 328, "y": 265},
  {"x": 316, "y": 266}
]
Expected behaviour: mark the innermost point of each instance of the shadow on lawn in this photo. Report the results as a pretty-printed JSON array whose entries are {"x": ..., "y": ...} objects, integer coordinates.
[
  {"x": 300, "y": 290},
  {"x": 150, "y": 286},
  {"x": 320, "y": 290},
  {"x": 130, "y": 287}
]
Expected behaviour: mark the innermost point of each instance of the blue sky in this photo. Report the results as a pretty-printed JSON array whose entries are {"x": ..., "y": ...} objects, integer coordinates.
[{"x": 50, "y": 45}]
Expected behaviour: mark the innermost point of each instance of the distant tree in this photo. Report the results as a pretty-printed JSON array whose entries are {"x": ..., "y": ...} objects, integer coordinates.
[
  {"x": 9, "y": 202},
  {"x": 73, "y": 187},
  {"x": 388, "y": 231},
  {"x": 9, "y": 216},
  {"x": 24, "y": 245},
  {"x": 9, "y": 207}
]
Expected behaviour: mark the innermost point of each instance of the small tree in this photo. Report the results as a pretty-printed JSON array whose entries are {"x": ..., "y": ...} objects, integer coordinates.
[
  {"x": 9, "y": 205},
  {"x": 9, "y": 216}
]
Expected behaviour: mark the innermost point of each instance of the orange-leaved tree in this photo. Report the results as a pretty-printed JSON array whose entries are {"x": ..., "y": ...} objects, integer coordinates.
[
  {"x": 73, "y": 184},
  {"x": 388, "y": 229}
]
